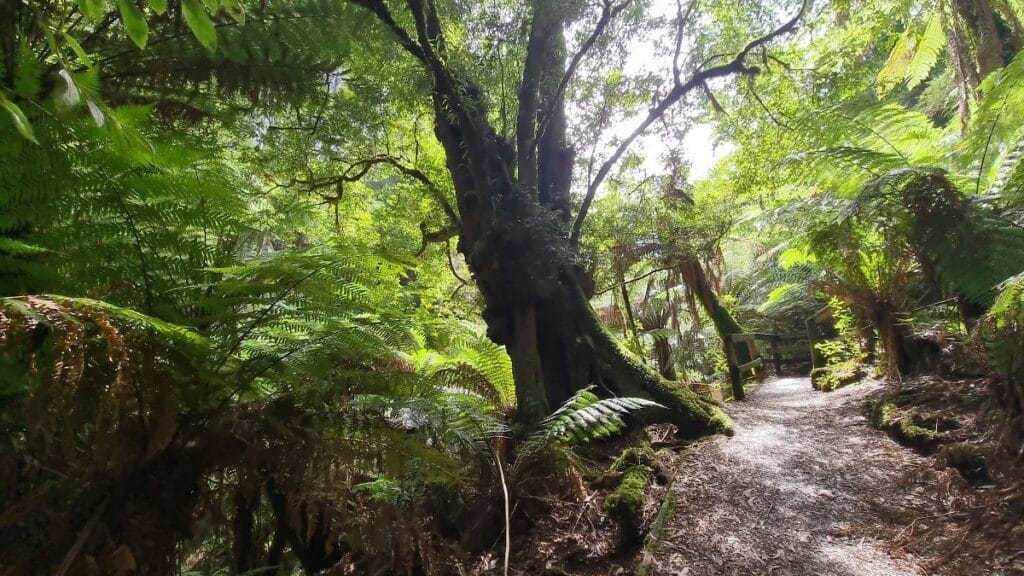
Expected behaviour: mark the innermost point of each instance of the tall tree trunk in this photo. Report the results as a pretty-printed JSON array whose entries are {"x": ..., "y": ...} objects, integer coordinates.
[
  {"x": 628, "y": 317},
  {"x": 512, "y": 204},
  {"x": 580, "y": 350},
  {"x": 893, "y": 336},
  {"x": 243, "y": 542}
]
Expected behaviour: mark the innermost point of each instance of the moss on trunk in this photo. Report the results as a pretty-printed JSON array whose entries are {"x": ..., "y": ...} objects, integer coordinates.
[{"x": 577, "y": 350}]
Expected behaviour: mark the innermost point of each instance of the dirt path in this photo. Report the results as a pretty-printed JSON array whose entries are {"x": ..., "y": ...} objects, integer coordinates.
[{"x": 805, "y": 488}]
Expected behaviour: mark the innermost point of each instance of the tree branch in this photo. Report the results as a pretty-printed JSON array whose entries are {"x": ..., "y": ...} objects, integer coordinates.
[
  {"x": 735, "y": 66},
  {"x": 771, "y": 115},
  {"x": 380, "y": 10},
  {"x": 451, "y": 264},
  {"x": 442, "y": 235},
  {"x": 538, "y": 48},
  {"x": 683, "y": 20},
  {"x": 625, "y": 282},
  {"x": 361, "y": 168},
  {"x": 608, "y": 12}
]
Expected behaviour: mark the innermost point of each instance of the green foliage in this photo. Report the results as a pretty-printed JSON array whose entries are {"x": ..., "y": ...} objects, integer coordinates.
[
  {"x": 18, "y": 117},
  {"x": 207, "y": 314},
  {"x": 845, "y": 348},
  {"x": 914, "y": 55},
  {"x": 134, "y": 22},
  {"x": 585, "y": 417},
  {"x": 221, "y": 281},
  {"x": 1003, "y": 330}
]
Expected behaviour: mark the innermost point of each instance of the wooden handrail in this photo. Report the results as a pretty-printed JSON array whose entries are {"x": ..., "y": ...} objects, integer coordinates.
[
  {"x": 767, "y": 336},
  {"x": 755, "y": 363},
  {"x": 737, "y": 371}
]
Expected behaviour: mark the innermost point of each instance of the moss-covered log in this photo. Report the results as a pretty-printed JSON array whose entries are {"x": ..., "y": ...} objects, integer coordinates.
[
  {"x": 905, "y": 428},
  {"x": 625, "y": 504}
]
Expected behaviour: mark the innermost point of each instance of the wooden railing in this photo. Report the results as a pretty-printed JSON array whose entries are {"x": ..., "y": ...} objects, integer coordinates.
[{"x": 747, "y": 361}]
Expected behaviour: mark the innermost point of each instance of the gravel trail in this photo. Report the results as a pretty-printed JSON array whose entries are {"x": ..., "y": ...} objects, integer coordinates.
[{"x": 805, "y": 488}]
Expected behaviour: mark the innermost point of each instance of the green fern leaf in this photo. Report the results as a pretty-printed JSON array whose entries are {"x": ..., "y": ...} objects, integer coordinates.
[
  {"x": 926, "y": 54},
  {"x": 896, "y": 66}
]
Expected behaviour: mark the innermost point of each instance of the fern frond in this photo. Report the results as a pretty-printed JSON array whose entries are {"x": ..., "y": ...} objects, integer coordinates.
[
  {"x": 926, "y": 54},
  {"x": 913, "y": 57},
  {"x": 585, "y": 417},
  {"x": 897, "y": 65}
]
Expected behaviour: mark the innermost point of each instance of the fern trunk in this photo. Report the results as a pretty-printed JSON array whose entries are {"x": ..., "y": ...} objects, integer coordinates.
[
  {"x": 981, "y": 18},
  {"x": 697, "y": 283}
]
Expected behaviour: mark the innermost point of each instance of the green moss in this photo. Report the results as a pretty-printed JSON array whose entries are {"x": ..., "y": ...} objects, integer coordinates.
[
  {"x": 887, "y": 416},
  {"x": 694, "y": 416},
  {"x": 818, "y": 376},
  {"x": 636, "y": 456},
  {"x": 834, "y": 376},
  {"x": 884, "y": 415},
  {"x": 917, "y": 434},
  {"x": 625, "y": 504}
]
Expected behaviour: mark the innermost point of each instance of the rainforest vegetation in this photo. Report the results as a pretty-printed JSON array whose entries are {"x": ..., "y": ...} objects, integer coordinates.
[{"x": 379, "y": 286}]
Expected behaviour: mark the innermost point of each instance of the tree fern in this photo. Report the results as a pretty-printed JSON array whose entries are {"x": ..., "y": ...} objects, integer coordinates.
[
  {"x": 862, "y": 145},
  {"x": 897, "y": 66},
  {"x": 914, "y": 56}
]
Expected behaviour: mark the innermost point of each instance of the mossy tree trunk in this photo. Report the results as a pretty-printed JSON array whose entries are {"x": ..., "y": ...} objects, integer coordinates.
[
  {"x": 513, "y": 207},
  {"x": 696, "y": 280}
]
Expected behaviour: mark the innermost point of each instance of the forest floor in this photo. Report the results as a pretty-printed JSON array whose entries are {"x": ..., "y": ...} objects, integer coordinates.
[{"x": 806, "y": 487}]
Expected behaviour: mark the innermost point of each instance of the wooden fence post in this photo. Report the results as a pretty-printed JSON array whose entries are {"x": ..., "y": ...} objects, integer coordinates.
[
  {"x": 754, "y": 354},
  {"x": 776, "y": 358},
  {"x": 735, "y": 377}
]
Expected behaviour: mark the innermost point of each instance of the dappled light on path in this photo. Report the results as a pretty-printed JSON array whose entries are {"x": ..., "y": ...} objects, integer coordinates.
[{"x": 806, "y": 487}]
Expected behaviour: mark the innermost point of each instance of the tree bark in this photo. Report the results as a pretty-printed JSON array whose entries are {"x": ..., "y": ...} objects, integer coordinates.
[
  {"x": 697, "y": 283},
  {"x": 242, "y": 530},
  {"x": 513, "y": 207},
  {"x": 580, "y": 350},
  {"x": 980, "y": 16}
]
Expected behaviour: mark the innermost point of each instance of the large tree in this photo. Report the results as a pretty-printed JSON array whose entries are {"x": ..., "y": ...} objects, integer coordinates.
[{"x": 515, "y": 222}]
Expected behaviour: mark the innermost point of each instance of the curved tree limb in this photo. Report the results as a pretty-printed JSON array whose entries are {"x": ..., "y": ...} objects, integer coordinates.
[
  {"x": 737, "y": 65},
  {"x": 359, "y": 169},
  {"x": 380, "y": 10},
  {"x": 451, "y": 264},
  {"x": 630, "y": 281},
  {"x": 442, "y": 235}
]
